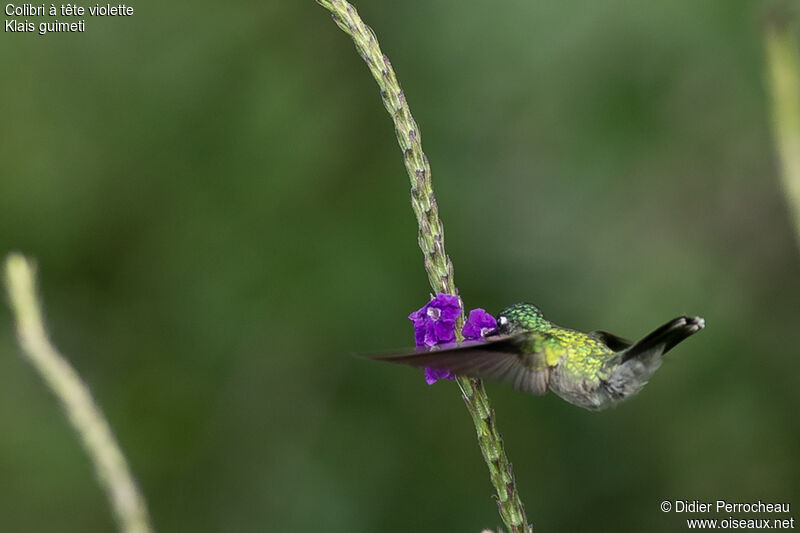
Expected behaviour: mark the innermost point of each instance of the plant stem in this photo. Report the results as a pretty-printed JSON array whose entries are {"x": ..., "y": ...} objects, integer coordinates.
[
  {"x": 783, "y": 63},
  {"x": 431, "y": 242},
  {"x": 109, "y": 463}
]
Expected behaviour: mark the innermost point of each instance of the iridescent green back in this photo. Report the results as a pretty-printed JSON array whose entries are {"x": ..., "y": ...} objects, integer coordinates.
[{"x": 582, "y": 355}]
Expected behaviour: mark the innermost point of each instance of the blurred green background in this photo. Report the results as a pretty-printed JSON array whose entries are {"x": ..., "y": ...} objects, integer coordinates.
[{"x": 219, "y": 210}]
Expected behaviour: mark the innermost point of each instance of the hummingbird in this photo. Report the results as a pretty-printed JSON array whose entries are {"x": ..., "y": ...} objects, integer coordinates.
[{"x": 592, "y": 370}]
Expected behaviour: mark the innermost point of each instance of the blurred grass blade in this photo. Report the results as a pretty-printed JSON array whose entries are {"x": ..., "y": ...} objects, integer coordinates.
[
  {"x": 783, "y": 63},
  {"x": 110, "y": 465}
]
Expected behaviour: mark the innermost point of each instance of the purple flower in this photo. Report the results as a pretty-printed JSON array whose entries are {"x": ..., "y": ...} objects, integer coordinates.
[
  {"x": 432, "y": 375},
  {"x": 435, "y": 322},
  {"x": 478, "y": 325}
]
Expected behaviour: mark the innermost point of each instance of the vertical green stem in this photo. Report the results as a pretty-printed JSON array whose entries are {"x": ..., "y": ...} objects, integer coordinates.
[
  {"x": 431, "y": 242},
  {"x": 783, "y": 63}
]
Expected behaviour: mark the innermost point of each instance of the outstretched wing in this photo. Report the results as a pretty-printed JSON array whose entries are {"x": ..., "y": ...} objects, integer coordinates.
[
  {"x": 499, "y": 359},
  {"x": 612, "y": 341}
]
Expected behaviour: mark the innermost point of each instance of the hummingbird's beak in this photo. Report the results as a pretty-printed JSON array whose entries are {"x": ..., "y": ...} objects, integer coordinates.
[{"x": 492, "y": 333}]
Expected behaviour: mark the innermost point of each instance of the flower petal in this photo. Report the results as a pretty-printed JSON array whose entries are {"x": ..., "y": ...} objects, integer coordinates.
[
  {"x": 434, "y": 322},
  {"x": 432, "y": 375},
  {"x": 478, "y": 324}
]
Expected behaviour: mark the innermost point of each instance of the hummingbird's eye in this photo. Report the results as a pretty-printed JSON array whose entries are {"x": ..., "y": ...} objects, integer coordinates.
[{"x": 502, "y": 323}]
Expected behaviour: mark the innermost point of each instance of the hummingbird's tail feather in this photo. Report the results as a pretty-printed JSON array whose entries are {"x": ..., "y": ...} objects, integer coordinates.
[
  {"x": 642, "y": 359},
  {"x": 665, "y": 338}
]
